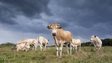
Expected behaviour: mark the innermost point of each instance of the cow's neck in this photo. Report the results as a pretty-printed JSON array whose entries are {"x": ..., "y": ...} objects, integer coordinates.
[
  {"x": 56, "y": 43},
  {"x": 60, "y": 32}
]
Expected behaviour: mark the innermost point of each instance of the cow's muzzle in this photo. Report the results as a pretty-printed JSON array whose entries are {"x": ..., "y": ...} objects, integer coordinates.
[{"x": 53, "y": 34}]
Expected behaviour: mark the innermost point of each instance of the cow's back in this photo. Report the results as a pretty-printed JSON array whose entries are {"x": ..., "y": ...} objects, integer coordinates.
[{"x": 64, "y": 35}]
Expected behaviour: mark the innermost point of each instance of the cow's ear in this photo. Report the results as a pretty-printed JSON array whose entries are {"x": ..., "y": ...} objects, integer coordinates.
[
  {"x": 48, "y": 27},
  {"x": 94, "y": 35}
]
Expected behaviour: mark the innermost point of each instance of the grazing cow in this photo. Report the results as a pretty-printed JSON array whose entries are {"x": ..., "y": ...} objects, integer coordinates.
[
  {"x": 76, "y": 43},
  {"x": 32, "y": 42},
  {"x": 96, "y": 41},
  {"x": 22, "y": 46},
  {"x": 42, "y": 41},
  {"x": 60, "y": 37}
]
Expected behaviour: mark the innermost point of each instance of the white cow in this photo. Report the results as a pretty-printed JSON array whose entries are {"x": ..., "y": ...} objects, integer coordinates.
[
  {"x": 22, "y": 46},
  {"x": 30, "y": 42},
  {"x": 96, "y": 41},
  {"x": 43, "y": 42},
  {"x": 76, "y": 43},
  {"x": 33, "y": 42}
]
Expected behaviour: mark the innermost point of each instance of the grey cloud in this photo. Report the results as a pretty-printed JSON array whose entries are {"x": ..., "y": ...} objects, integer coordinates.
[
  {"x": 6, "y": 14},
  {"x": 11, "y": 8},
  {"x": 28, "y": 7},
  {"x": 82, "y": 17},
  {"x": 83, "y": 12}
]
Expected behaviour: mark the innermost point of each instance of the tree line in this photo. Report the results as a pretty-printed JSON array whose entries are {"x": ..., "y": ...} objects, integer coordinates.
[{"x": 105, "y": 42}]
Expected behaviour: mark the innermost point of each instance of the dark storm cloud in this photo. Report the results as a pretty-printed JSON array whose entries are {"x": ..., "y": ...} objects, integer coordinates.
[
  {"x": 6, "y": 14},
  {"x": 28, "y": 7},
  {"x": 7, "y": 21},
  {"x": 10, "y": 9},
  {"x": 84, "y": 17},
  {"x": 83, "y": 12}
]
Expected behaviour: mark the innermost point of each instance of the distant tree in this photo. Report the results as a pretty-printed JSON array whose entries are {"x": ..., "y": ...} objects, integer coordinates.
[
  {"x": 7, "y": 44},
  {"x": 86, "y": 44},
  {"x": 107, "y": 42}
]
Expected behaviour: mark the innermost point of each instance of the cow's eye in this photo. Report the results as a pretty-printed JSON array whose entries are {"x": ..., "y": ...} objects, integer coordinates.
[{"x": 49, "y": 27}]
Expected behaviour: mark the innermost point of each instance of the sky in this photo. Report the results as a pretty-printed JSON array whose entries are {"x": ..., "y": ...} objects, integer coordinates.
[{"x": 24, "y": 19}]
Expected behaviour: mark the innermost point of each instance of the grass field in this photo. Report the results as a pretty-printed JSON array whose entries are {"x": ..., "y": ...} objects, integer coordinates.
[{"x": 86, "y": 55}]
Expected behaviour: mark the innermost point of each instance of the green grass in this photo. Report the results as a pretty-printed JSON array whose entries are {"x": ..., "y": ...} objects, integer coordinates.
[{"x": 86, "y": 55}]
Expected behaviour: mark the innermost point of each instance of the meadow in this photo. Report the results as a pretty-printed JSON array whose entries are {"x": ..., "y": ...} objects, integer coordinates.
[{"x": 87, "y": 54}]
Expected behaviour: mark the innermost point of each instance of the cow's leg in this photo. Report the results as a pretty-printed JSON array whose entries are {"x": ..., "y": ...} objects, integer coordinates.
[
  {"x": 35, "y": 47},
  {"x": 70, "y": 49},
  {"x": 45, "y": 47},
  {"x": 67, "y": 48},
  {"x": 17, "y": 49},
  {"x": 73, "y": 49},
  {"x": 76, "y": 48},
  {"x": 95, "y": 48},
  {"x": 57, "y": 51},
  {"x": 79, "y": 47},
  {"x": 60, "y": 49},
  {"x": 41, "y": 47},
  {"x": 98, "y": 48},
  {"x": 26, "y": 50}
]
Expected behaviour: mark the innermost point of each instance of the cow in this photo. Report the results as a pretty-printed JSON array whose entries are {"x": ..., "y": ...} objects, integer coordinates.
[
  {"x": 96, "y": 41},
  {"x": 60, "y": 37},
  {"x": 43, "y": 42},
  {"x": 22, "y": 46},
  {"x": 76, "y": 43},
  {"x": 30, "y": 42}
]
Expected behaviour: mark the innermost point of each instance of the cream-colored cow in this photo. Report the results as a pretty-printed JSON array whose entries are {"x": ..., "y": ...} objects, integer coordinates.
[
  {"x": 30, "y": 42},
  {"x": 33, "y": 42},
  {"x": 60, "y": 37},
  {"x": 76, "y": 43},
  {"x": 22, "y": 46},
  {"x": 43, "y": 42}
]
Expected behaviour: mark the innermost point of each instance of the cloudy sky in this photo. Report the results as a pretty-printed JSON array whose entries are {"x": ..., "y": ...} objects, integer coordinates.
[{"x": 22, "y": 19}]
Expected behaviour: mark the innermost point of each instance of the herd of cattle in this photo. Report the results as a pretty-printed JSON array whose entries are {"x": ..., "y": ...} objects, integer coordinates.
[
  {"x": 60, "y": 37},
  {"x": 27, "y": 43}
]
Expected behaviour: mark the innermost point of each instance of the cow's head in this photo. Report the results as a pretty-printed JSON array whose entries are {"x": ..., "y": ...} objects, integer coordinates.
[
  {"x": 54, "y": 28},
  {"x": 93, "y": 37}
]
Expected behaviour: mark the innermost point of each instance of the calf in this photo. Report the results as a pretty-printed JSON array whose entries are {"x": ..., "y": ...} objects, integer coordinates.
[
  {"x": 76, "y": 43},
  {"x": 60, "y": 37}
]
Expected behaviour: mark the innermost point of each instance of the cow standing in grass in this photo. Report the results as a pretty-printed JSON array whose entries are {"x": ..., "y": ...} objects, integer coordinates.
[
  {"x": 43, "y": 42},
  {"x": 60, "y": 37},
  {"x": 96, "y": 41},
  {"x": 76, "y": 43}
]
